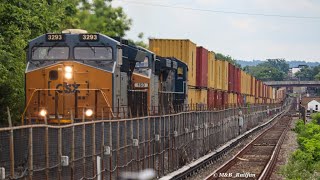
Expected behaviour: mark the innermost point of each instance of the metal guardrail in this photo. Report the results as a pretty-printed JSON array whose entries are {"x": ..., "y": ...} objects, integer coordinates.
[{"x": 292, "y": 83}]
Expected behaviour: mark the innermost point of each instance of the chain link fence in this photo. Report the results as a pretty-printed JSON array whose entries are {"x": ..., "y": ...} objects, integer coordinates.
[{"x": 106, "y": 148}]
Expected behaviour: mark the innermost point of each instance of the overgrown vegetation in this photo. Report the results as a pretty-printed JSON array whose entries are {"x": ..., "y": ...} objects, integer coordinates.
[
  {"x": 304, "y": 163},
  {"x": 23, "y": 20}
]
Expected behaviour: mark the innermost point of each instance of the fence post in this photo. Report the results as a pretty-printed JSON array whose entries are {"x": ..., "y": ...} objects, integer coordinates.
[
  {"x": 11, "y": 145},
  {"x": 72, "y": 147},
  {"x": 47, "y": 146},
  {"x": 59, "y": 152},
  {"x": 30, "y": 147},
  {"x": 93, "y": 130},
  {"x": 83, "y": 144}
]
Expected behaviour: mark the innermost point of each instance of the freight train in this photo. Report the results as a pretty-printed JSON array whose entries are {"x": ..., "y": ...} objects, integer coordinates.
[{"x": 76, "y": 75}]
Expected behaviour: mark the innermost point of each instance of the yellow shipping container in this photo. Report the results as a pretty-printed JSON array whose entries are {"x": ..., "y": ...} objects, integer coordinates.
[
  {"x": 221, "y": 75},
  {"x": 182, "y": 49},
  {"x": 235, "y": 98},
  {"x": 261, "y": 89},
  {"x": 245, "y": 83},
  {"x": 192, "y": 96},
  {"x": 273, "y": 93},
  {"x": 268, "y": 101},
  {"x": 225, "y": 74},
  {"x": 217, "y": 75},
  {"x": 253, "y": 86},
  {"x": 232, "y": 99},
  {"x": 252, "y": 99},
  {"x": 211, "y": 69},
  {"x": 201, "y": 96}
]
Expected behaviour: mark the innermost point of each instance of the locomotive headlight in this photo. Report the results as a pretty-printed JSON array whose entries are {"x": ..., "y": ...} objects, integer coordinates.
[
  {"x": 68, "y": 75},
  {"x": 43, "y": 113},
  {"x": 68, "y": 72},
  {"x": 68, "y": 69},
  {"x": 89, "y": 112}
]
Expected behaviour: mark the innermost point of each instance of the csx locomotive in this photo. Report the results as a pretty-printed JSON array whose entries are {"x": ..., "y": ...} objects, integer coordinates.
[{"x": 75, "y": 75}]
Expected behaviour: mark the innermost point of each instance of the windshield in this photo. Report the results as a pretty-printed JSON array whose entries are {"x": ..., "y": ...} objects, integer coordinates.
[
  {"x": 143, "y": 71},
  {"x": 50, "y": 53},
  {"x": 143, "y": 64},
  {"x": 93, "y": 53}
]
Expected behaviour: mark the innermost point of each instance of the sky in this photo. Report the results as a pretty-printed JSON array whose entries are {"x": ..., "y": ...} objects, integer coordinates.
[{"x": 287, "y": 33}]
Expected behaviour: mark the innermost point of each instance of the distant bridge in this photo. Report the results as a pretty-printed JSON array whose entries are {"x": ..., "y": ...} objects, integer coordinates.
[{"x": 293, "y": 83}]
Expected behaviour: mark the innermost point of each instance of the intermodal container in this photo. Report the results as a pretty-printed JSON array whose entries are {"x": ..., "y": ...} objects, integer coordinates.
[
  {"x": 218, "y": 75},
  {"x": 210, "y": 99},
  {"x": 256, "y": 94},
  {"x": 201, "y": 96},
  {"x": 240, "y": 99},
  {"x": 211, "y": 69},
  {"x": 218, "y": 99},
  {"x": 273, "y": 93},
  {"x": 192, "y": 96},
  {"x": 252, "y": 85},
  {"x": 224, "y": 99},
  {"x": 225, "y": 68},
  {"x": 237, "y": 83},
  {"x": 231, "y": 78},
  {"x": 235, "y": 99},
  {"x": 202, "y": 67},
  {"x": 230, "y": 100},
  {"x": 250, "y": 99},
  {"x": 245, "y": 82},
  {"x": 182, "y": 49},
  {"x": 260, "y": 89}
]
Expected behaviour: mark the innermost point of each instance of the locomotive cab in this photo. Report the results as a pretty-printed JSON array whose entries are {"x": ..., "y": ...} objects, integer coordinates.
[{"x": 167, "y": 69}]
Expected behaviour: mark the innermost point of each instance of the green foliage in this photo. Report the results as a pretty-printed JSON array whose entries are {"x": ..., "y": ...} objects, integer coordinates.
[
  {"x": 304, "y": 163},
  {"x": 271, "y": 70},
  {"x": 279, "y": 64},
  {"x": 23, "y": 20},
  {"x": 309, "y": 73},
  {"x": 100, "y": 16},
  {"x": 20, "y": 21}
]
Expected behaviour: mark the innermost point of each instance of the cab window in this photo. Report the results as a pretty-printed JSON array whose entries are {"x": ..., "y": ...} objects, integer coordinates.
[
  {"x": 50, "y": 53},
  {"x": 93, "y": 53}
]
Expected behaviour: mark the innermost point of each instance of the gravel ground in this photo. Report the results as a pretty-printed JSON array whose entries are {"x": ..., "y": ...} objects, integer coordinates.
[
  {"x": 202, "y": 174},
  {"x": 289, "y": 145}
]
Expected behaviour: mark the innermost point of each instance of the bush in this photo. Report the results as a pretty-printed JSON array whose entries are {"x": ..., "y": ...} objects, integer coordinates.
[{"x": 304, "y": 163}]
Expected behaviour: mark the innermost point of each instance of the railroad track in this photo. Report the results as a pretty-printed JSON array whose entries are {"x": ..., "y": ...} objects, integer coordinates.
[{"x": 258, "y": 158}]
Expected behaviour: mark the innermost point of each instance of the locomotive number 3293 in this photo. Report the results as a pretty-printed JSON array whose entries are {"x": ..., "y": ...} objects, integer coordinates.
[
  {"x": 54, "y": 37},
  {"x": 89, "y": 37}
]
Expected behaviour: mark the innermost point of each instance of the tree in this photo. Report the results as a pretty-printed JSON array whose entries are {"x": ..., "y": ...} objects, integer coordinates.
[
  {"x": 100, "y": 16},
  {"x": 271, "y": 70},
  {"x": 309, "y": 73},
  {"x": 20, "y": 21},
  {"x": 279, "y": 64},
  {"x": 265, "y": 73}
]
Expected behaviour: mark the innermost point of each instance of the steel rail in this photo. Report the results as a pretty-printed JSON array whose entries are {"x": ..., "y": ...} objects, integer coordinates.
[{"x": 271, "y": 162}]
